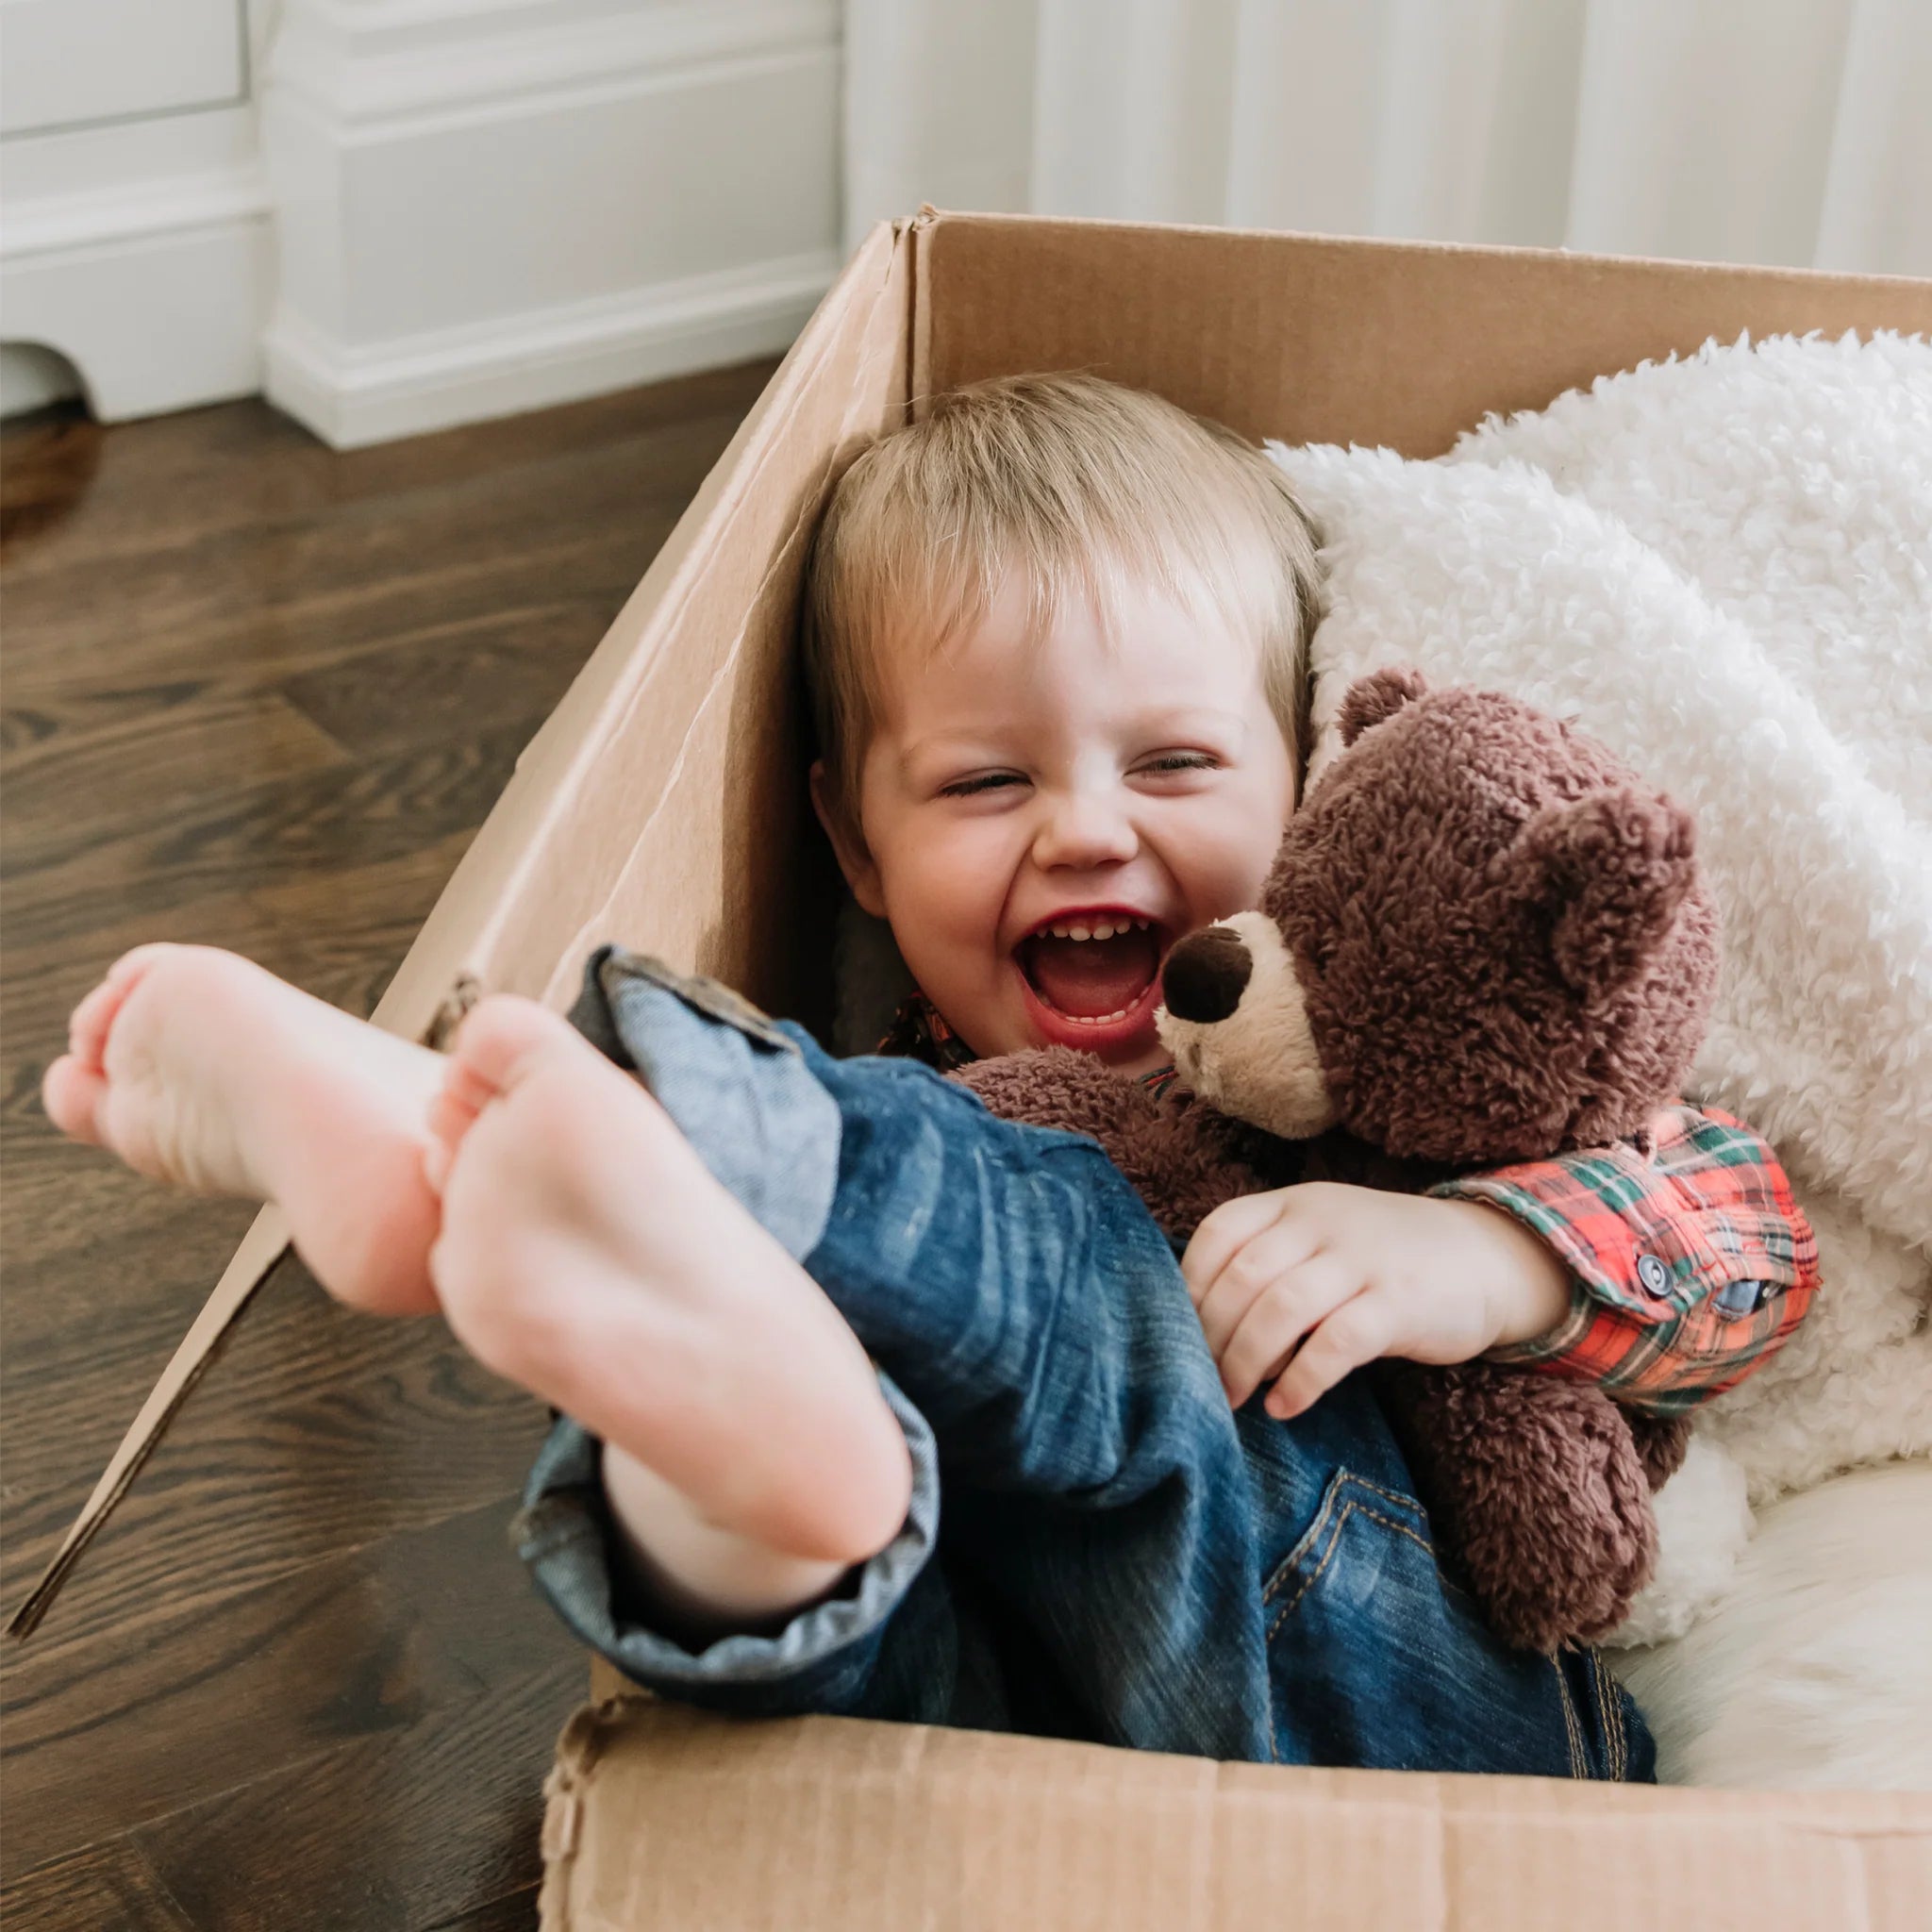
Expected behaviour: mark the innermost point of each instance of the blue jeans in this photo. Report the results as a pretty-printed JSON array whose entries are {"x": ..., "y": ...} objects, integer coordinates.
[{"x": 1120, "y": 1559}]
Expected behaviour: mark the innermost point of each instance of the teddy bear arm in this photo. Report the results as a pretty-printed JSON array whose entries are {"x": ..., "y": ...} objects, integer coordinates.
[
  {"x": 1662, "y": 1442},
  {"x": 1183, "y": 1161},
  {"x": 1536, "y": 1494}
]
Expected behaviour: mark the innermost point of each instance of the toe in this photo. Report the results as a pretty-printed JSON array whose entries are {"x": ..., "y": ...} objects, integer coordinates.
[
  {"x": 72, "y": 1093},
  {"x": 94, "y": 1018},
  {"x": 496, "y": 1041}
]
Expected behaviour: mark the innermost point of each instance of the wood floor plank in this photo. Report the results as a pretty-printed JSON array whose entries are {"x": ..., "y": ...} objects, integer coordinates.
[
  {"x": 376, "y": 908},
  {"x": 412, "y": 1629},
  {"x": 107, "y": 1886},
  {"x": 515, "y": 1912},
  {"x": 384, "y": 1831},
  {"x": 83, "y": 782},
  {"x": 261, "y": 695},
  {"x": 328, "y": 1432},
  {"x": 74, "y": 489},
  {"x": 377, "y": 809},
  {"x": 316, "y": 587}
]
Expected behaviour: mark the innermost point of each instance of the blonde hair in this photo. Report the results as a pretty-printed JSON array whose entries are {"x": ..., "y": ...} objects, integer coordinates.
[{"x": 1081, "y": 489}]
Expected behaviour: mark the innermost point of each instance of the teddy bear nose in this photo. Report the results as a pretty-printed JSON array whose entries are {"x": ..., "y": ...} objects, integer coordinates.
[{"x": 1205, "y": 974}]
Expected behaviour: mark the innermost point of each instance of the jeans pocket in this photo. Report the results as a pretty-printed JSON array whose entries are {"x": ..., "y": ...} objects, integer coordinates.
[{"x": 1377, "y": 1660}]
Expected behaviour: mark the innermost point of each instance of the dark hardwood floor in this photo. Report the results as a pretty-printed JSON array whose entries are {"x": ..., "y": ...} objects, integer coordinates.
[{"x": 260, "y": 695}]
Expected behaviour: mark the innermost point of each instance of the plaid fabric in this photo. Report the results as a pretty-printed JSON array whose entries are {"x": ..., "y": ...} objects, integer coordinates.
[
  {"x": 918, "y": 1032},
  {"x": 1690, "y": 1264}
]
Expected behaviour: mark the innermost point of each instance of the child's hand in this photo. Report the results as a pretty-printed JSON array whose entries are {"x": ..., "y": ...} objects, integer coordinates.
[{"x": 1307, "y": 1283}]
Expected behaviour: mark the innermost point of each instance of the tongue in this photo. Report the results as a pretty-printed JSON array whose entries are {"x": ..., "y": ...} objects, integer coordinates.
[{"x": 1090, "y": 978}]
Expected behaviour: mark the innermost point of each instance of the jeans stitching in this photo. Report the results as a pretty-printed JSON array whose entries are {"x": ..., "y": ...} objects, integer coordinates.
[
  {"x": 1422, "y": 1542},
  {"x": 1579, "y": 1760},
  {"x": 1401, "y": 1502},
  {"x": 1290, "y": 1564},
  {"x": 1349, "y": 1508},
  {"x": 1610, "y": 1709},
  {"x": 1309, "y": 1583},
  {"x": 1603, "y": 1715}
]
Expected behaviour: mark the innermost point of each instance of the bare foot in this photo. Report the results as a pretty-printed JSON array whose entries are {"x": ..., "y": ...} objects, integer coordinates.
[
  {"x": 588, "y": 1254},
  {"x": 197, "y": 1066}
]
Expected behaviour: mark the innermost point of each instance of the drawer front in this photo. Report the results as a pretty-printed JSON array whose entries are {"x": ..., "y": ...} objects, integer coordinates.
[{"x": 64, "y": 62}]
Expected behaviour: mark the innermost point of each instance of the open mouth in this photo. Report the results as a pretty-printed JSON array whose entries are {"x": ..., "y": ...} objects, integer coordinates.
[{"x": 1093, "y": 977}]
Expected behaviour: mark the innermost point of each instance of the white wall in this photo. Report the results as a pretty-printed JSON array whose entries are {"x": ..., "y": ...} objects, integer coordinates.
[
  {"x": 420, "y": 212},
  {"x": 1791, "y": 131}
]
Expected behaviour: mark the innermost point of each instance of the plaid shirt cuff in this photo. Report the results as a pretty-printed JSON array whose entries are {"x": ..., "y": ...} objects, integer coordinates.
[{"x": 1691, "y": 1264}]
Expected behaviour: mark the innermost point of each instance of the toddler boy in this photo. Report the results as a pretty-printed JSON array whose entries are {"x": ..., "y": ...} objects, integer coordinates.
[{"x": 1056, "y": 634}]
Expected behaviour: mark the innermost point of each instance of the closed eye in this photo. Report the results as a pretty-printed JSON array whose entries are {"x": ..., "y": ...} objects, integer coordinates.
[
  {"x": 986, "y": 781},
  {"x": 1181, "y": 761}
]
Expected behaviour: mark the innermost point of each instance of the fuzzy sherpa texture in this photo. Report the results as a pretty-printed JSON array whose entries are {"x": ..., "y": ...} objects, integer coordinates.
[
  {"x": 1813, "y": 1670},
  {"x": 1721, "y": 567}
]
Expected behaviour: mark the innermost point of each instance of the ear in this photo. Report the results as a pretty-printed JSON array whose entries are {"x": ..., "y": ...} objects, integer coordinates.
[
  {"x": 1378, "y": 697},
  {"x": 855, "y": 860},
  {"x": 1614, "y": 869}
]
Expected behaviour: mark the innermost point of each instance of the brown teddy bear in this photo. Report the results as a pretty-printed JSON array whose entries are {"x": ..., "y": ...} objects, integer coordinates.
[{"x": 1482, "y": 942}]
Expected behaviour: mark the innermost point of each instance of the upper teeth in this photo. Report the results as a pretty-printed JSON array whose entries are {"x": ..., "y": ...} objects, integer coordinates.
[{"x": 1101, "y": 929}]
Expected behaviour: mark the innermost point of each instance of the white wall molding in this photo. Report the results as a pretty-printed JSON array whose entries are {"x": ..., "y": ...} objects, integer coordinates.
[
  {"x": 352, "y": 397},
  {"x": 363, "y": 70},
  {"x": 153, "y": 210},
  {"x": 488, "y": 206},
  {"x": 158, "y": 294}
]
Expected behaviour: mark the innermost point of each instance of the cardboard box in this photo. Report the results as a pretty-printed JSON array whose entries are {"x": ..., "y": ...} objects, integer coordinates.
[{"x": 664, "y": 804}]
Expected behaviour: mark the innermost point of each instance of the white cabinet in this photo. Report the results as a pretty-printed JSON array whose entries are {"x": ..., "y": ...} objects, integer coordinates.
[
  {"x": 67, "y": 62},
  {"x": 134, "y": 215}
]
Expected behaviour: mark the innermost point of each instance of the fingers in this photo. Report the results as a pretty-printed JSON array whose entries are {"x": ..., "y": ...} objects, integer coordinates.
[
  {"x": 1358, "y": 1332},
  {"x": 1243, "y": 1247},
  {"x": 1222, "y": 1234},
  {"x": 1264, "y": 1333},
  {"x": 1275, "y": 1258},
  {"x": 1286, "y": 1293}
]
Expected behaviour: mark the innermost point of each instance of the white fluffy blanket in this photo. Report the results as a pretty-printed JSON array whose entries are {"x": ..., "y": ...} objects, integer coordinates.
[{"x": 1722, "y": 567}]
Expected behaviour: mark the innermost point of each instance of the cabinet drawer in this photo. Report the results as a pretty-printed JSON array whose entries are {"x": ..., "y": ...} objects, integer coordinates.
[{"x": 63, "y": 62}]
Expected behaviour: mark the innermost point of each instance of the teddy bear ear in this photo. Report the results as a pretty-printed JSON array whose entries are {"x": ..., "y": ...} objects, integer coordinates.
[
  {"x": 1613, "y": 869},
  {"x": 1378, "y": 697}
]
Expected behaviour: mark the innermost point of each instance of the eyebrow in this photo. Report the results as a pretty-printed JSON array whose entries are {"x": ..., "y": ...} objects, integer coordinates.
[
  {"x": 1152, "y": 725},
  {"x": 943, "y": 745}
]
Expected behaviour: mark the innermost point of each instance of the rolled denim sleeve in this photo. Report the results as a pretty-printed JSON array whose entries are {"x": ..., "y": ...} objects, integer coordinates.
[
  {"x": 826, "y": 1659},
  {"x": 1691, "y": 1264}
]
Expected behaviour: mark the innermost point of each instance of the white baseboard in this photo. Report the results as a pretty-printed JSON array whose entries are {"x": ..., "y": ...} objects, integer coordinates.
[
  {"x": 157, "y": 296},
  {"x": 410, "y": 385},
  {"x": 491, "y": 206}
]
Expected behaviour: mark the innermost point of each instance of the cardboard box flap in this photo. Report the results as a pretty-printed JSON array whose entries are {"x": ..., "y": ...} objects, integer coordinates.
[
  {"x": 682, "y": 698},
  {"x": 657, "y": 1815},
  {"x": 1321, "y": 338}
]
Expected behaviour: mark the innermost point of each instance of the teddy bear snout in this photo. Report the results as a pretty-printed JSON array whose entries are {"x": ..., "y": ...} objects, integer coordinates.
[{"x": 1205, "y": 974}]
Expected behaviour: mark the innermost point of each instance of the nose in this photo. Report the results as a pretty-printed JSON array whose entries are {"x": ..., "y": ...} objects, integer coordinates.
[
  {"x": 1084, "y": 830},
  {"x": 1205, "y": 974}
]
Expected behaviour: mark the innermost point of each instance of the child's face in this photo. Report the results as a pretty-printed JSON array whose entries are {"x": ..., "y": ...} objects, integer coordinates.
[{"x": 1021, "y": 788}]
